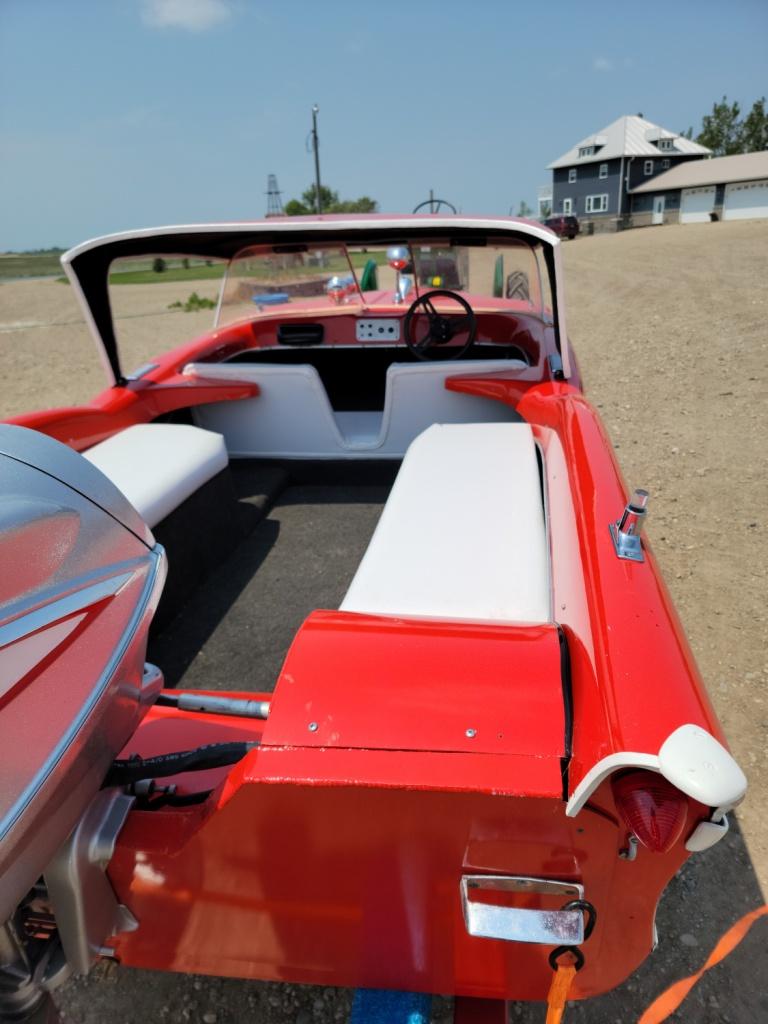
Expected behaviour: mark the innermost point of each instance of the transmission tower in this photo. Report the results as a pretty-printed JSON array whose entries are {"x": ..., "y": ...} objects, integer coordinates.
[{"x": 274, "y": 202}]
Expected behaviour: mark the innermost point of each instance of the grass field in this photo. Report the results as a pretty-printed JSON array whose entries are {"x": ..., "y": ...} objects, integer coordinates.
[
  {"x": 44, "y": 264},
  {"x": 195, "y": 272},
  {"x": 29, "y": 264}
]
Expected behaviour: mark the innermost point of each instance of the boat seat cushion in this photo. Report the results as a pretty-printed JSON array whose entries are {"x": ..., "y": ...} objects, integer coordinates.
[
  {"x": 157, "y": 466},
  {"x": 293, "y": 418},
  {"x": 462, "y": 535}
]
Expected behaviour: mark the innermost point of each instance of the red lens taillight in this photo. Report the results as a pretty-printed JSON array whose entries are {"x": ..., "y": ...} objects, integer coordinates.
[{"x": 650, "y": 807}]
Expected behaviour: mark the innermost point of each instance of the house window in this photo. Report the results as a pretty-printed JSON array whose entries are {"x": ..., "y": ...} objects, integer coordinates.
[
  {"x": 603, "y": 170},
  {"x": 597, "y": 204},
  {"x": 567, "y": 206},
  {"x": 586, "y": 151},
  {"x": 648, "y": 167},
  {"x": 571, "y": 175},
  {"x": 665, "y": 163},
  {"x": 666, "y": 144}
]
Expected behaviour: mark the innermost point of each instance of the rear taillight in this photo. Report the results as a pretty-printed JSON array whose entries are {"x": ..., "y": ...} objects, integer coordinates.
[{"x": 651, "y": 808}]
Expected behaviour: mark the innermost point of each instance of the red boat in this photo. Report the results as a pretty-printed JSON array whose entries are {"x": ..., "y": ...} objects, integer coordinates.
[{"x": 434, "y": 725}]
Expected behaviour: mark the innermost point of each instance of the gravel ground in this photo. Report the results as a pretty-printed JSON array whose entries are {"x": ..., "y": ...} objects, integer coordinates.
[{"x": 669, "y": 326}]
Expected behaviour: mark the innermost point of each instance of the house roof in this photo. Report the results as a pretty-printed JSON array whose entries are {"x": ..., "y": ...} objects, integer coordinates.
[
  {"x": 630, "y": 135},
  {"x": 718, "y": 171}
]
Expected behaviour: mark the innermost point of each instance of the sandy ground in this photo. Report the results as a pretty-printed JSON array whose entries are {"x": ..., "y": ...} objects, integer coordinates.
[{"x": 669, "y": 326}]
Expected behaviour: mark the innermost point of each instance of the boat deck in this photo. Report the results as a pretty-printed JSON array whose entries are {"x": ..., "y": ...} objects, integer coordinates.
[{"x": 235, "y": 629}]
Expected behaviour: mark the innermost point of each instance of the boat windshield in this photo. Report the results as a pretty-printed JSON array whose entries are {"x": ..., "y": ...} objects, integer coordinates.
[
  {"x": 494, "y": 275},
  {"x": 265, "y": 276}
]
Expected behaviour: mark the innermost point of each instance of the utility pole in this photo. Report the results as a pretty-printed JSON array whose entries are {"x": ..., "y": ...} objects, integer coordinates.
[{"x": 316, "y": 148}]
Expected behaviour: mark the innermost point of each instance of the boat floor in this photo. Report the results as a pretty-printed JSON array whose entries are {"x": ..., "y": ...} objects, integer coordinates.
[{"x": 235, "y": 629}]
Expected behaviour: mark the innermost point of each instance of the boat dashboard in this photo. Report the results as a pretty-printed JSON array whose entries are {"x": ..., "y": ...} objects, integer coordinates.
[{"x": 352, "y": 353}]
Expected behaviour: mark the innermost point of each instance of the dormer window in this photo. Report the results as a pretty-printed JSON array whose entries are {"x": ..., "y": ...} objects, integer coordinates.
[
  {"x": 666, "y": 144},
  {"x": 571, "y": 175},
  {"x": 586, "y": 151}
]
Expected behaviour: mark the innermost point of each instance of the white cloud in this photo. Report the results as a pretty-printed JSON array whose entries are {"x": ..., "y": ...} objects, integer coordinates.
[
  {"x": 608, "y": 64},
  {"x": 192, "y": 15}
]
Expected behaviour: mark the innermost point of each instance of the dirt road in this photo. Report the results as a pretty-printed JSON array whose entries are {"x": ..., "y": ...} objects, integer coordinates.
[{"x": 669, "y": 326}]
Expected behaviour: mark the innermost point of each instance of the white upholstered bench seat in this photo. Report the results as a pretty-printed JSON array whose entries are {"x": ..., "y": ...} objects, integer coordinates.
[
  {"x": 157, "y": 466},
  {"x": 463, "y": 534}
]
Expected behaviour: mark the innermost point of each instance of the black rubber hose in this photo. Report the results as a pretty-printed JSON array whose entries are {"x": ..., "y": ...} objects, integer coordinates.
[
  {"x": 213, "y": 755},
  {"x": 163, "y": 800}
]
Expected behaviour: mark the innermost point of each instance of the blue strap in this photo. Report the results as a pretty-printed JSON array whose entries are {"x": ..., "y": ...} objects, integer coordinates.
[{"x": 380, "y": 1006}]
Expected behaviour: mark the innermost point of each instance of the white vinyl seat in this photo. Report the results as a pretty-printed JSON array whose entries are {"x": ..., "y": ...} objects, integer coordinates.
[
  {"x": 463, "y": 534},
  {"x": 157, "y": 466},
  {"x": 292, "y": 418}
]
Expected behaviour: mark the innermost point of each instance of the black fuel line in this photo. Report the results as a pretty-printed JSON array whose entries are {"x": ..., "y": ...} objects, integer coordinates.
[{"x": 213, "y": 755}]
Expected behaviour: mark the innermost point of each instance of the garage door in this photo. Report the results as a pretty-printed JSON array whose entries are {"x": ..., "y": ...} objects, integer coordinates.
[
  {"x": 745, "y": 200},
  {"x": 696, "y": 204}
]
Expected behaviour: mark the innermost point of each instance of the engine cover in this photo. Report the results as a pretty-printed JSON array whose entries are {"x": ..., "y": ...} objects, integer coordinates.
[{"x": 80, "y": 578}]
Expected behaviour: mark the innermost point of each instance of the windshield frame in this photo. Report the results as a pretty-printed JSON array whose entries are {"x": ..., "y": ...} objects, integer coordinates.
[{"x": 86, "y": 265}]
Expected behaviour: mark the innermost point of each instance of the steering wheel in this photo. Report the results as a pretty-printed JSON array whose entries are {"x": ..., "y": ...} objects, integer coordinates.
[{"x": 441, "y": 328}]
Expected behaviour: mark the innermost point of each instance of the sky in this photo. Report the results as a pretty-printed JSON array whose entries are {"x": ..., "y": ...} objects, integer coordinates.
[{"x": 120, "y": 114}]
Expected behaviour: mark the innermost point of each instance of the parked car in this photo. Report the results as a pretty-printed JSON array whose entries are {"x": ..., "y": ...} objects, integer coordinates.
[{"x": 565, "y": 226}]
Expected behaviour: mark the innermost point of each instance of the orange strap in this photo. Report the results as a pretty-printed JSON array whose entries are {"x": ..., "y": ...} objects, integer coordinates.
[
  {"x": 666, "y": 1004},
  {"x": 558, "y": 993}
]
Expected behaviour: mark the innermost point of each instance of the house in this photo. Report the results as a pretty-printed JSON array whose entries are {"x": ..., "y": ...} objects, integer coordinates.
[
  {"x": 594, "y": 178},
  {"x": 725, "y": 188}
]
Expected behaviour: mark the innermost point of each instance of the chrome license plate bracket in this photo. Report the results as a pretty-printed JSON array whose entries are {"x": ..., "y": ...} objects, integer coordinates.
[{"x": 487, "y": 920}]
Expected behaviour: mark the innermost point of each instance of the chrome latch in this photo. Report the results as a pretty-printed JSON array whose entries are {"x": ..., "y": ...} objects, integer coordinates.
[
  {"x": 488, "y": 920},
  {"x": 625, "y": 532}
]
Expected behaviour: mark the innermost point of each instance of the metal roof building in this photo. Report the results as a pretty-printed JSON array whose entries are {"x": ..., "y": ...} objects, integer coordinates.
[
  {"x": 723, "y": 188},
  {"x": 631, "y": 135},
  {"x": 593, "y": 180}
]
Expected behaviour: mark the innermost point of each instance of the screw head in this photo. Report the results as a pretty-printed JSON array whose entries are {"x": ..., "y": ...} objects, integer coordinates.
[
  {"x": 312, "y": 726},
  {"x": 471, "y": 733}
]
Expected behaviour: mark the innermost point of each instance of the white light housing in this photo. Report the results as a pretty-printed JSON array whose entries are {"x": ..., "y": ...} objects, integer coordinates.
[
  {"x": 694, "y": 761},
  {"x": 690, "y": 758}
]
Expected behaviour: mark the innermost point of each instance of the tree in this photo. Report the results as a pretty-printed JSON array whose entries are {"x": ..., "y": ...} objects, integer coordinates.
[
  {"x": 720, "y": 130},
  {"x": 545, "y": 211},
  {"x": 754, "y": 128},
  {"x": 723, "y": 132},
  {"x": 158, "y": 265},
  {"x": 329, "y": 201},
  {"x": 362, "y": 205},
  {"x": 524, "y": 209},
  {"x": 295, "y": 208},
  {"x": 308, "y": 202}
]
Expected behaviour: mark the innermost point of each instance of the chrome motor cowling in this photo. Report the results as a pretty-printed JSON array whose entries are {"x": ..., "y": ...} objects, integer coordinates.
[{"x": 80, "y": 577}]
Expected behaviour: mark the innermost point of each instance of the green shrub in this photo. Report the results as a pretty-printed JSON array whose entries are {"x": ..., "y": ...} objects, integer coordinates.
[{"x": 194, "y": 303}]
